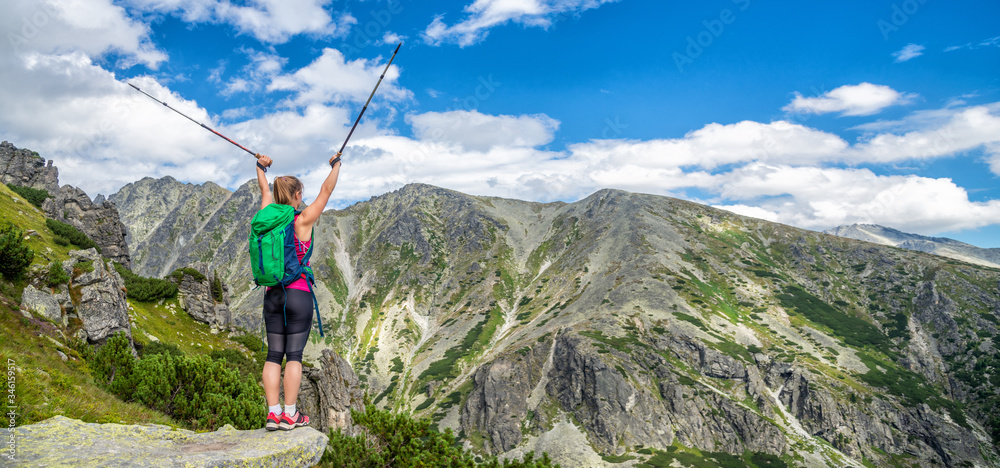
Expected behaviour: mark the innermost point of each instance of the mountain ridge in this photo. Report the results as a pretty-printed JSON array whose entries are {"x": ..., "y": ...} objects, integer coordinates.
[{"x": 943, "y": 246}]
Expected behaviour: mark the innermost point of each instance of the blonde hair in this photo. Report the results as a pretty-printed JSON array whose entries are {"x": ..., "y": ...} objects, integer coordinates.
[{"x": 285, "y": 188}]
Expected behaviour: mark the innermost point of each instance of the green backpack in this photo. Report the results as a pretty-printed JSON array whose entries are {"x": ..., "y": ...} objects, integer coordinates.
[{"x": 272, "y": 251}]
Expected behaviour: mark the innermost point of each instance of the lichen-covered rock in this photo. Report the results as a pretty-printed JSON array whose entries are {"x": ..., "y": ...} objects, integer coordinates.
[
  {"x": 41, "y": 303},
  {"x": 100, "y": 222},
  {"x": 61, "y": 441},
  {"x": 26, "y": 168},
  {"x": 102, "y": 307}
]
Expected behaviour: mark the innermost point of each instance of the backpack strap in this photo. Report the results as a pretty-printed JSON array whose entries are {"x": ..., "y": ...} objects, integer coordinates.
[{"x": 310, "y": 280}]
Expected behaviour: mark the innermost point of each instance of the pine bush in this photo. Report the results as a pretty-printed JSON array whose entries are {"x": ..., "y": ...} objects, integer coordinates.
[
  {"x": 113, "y": 365},
  {"x": 142, "y": 289},
  {"x": 72, "y": 234},
  {"x": 15, "y": 255},
  {"x": 159, "y": 347},
  {"x": 217, "y": 288},
  {"x": 202, "y": 392},
  {"x": 391, "y": 439},
  {"x": 247, "y": 366},
  {"x": 34, "y": 196},
  {"x": 179, "y": 273},
  {"x": 56, "y": 275}
]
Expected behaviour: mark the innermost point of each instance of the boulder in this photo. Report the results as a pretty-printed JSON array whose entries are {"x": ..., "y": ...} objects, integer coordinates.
[
  {"x": 61, "y": 441},
  {"x": 102, "y": 307},
  {"x": 41, "y": 303}
]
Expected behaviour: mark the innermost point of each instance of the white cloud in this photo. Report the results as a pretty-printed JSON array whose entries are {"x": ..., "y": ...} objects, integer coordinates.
[
  {"x": 820, "y": 198},
  {"x": 391, "y": 38},
  {"x": 354, "y": 81},
  {"x": 275, "y": 21},
  {"x": 270, "y": 21},
  {"x": 485, "y": 14},
  {"x": 909, "y": 52},
  {"x": 715, "y": 145},
  {"x": 991, "y": 42},
  {"x": 93, "y": 27},
  {"x": 963, "y": 130},
  {"x": 852, "y": 100},
  {"x": 474, "y": 131},
  {"x": 255, "y": 75}
]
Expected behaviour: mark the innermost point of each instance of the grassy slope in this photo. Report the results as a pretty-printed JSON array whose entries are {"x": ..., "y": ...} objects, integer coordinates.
[
  {"x": 17, "y": 211},
  {"x": 45, "y": 385}
]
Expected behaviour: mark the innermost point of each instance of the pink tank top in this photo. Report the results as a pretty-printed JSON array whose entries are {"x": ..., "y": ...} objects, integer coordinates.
[{"x": 300, "y": 250}]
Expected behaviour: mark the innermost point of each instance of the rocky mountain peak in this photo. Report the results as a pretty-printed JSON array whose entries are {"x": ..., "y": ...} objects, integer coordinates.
[{"x": 26, "y": 168}]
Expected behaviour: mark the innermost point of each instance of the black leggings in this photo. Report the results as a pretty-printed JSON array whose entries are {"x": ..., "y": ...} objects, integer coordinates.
[{"x": 294, "y": 308}]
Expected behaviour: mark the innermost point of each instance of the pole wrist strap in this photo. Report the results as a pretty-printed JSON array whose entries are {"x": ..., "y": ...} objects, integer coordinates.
[
  {"x": 335, "y": 161},
  {"x": 261, "y": 166}
]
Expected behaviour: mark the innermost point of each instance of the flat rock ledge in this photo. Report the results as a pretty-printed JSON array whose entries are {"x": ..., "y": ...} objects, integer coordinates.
[{"x": 65, "y": 442}]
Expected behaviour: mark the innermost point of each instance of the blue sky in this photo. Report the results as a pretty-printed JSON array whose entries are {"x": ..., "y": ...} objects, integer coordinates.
[{"x": 813, "y": 114}]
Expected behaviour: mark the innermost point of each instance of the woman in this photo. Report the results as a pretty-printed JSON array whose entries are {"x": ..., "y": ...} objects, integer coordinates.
[{"x": 288, "y": 311}]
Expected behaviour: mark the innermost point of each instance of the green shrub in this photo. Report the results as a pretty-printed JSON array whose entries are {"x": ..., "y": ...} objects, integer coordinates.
[
  {"x": 217, "y": 288},
  {"x": 391, "y": 440},
  {"x": 34, "y": 196},
  {"x": 142, "y": 289},
  {"x": 113, "y": 365},
  {"x": 15, "y": 255},
  {"x": 247, "y": 367},
  {"x": 56, "y": 275},
  {"x": 72, "y": 234},
  {"x": 178, "y": 274},
  {"x": 202, "y": 392},
  {"x": 159, "y": 347},
  {"x": 252, "y": 342},
  {"x": 853, "y": 330},
  {"x": 60, "y": 240},
  {"x": 198, "y": 390}
]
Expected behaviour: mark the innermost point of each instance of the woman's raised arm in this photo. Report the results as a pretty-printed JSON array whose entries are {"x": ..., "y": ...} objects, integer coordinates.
[
  {"x": 265, "y": 191},
  {"x": 312, "y": 212}
]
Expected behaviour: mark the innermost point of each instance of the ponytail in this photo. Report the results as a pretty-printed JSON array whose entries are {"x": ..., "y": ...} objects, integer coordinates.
[{"x": 285, "y": 188}]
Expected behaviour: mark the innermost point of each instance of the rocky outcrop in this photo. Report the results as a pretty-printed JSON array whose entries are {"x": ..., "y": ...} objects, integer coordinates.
[
  {"x": 198, "y": 299},
  {"x": 100, "y": 222},
  {"x": 930, "y": 436},
  {"x": 101, "y": 306},
  {"x": 498, "y": 404},
  {"x": 329, "y": 392},
  {"x": 26, "y": 168},
  {"x": 615, "y": 406},
  {"x": 60, "y": 441}
]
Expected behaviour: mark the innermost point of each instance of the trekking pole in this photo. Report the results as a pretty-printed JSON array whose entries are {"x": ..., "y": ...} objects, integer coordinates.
[
  {"x": 363, "y": 109},
  {"x": 206, "y": 127}
]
